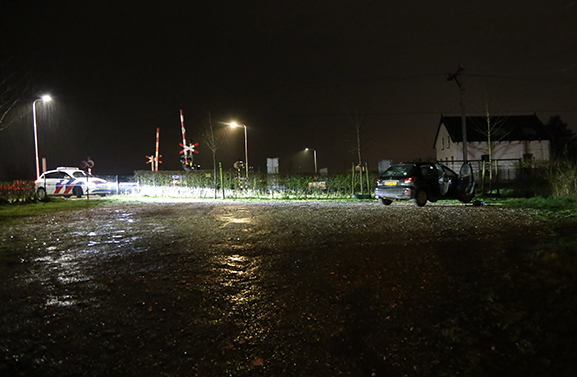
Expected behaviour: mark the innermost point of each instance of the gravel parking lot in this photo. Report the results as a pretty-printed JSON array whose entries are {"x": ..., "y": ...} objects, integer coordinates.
[{"x": 256, "y": 288}]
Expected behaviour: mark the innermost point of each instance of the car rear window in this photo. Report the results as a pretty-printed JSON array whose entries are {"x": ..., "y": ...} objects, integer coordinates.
[
  {"x": 79, "y": 174},
  {"x": 399, "y": 171}
]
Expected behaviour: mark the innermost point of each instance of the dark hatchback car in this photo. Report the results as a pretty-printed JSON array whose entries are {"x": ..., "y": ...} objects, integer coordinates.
[{"x": 425, "y": 181}]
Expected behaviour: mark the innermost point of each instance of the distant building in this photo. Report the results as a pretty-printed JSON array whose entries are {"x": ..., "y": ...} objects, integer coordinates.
[{"x": 513, "y": 138}]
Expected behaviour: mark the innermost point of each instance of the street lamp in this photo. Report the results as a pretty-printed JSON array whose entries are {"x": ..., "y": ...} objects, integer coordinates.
[
  {"x": 45, "y": 98},
  {"x": 234, "y": 124},
  {"x": 314, "y": 156}
]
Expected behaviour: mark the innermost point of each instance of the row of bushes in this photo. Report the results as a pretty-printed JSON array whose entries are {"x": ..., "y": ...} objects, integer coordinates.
[
  {"x": 17, "y": 191},
  {"x": 551, "y": 178},
  {"x": 258, "y": 185},
  {"x": 556, "y": 179},
  {"x": 542, "y": 178}
]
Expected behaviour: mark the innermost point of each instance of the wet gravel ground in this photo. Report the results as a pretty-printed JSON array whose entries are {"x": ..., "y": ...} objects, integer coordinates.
[{"x": 253, "y": 289}]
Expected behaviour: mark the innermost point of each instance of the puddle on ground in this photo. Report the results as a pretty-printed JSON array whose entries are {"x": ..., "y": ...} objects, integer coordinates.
[
  {"x": 71, "y": 257},
  {"x": 61, "y": 301}
]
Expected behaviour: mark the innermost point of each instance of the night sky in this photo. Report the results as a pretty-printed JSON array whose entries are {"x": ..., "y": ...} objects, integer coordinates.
[{"x": 294, "y": 72}]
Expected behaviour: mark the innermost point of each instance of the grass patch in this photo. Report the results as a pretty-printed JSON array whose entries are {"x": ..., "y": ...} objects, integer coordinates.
[
  {"x": 540, "y": 203},
  {"x": 12, "y": 252},
  {"x": 550, "y": 209},
  {"x": 40, "y": 208}
]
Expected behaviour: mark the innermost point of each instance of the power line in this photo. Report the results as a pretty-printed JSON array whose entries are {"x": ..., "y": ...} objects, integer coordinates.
[
  {"x": 525, "y": 78},
  {"x": 393, "y": 113},
  {"x": 368, "y": 81}
]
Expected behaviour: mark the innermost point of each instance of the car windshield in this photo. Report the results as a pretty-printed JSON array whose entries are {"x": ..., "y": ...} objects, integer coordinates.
[
  {"x": 79, "y": 174},
  {"x": 399, "y": 170}
]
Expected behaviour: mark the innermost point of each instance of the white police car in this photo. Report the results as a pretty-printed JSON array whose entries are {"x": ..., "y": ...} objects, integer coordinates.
[{"x": 66, "y": 182}]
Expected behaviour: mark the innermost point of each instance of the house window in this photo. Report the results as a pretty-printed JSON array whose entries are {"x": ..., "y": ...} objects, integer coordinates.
[
  {"x": 448, "y": 143},
  {"x": 484, "y": 157},
  {"x": 442, "y": 143},
  {"x": 527, "y": 157}
]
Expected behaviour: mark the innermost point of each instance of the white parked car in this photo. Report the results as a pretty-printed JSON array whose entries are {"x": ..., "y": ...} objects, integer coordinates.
[{"x": 69, "y": 181}]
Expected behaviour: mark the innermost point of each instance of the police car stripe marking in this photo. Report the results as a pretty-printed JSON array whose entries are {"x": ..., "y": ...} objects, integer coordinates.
[{"x": 60, "y": 185}]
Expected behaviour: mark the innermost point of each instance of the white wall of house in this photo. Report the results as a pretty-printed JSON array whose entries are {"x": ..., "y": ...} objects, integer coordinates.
[
  {"x": 446, "y": 149},
  {"x": 449, "y": 151}
]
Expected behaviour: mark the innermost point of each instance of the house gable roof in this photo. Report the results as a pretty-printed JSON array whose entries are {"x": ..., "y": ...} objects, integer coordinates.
[{"x": 505, "y": 128}]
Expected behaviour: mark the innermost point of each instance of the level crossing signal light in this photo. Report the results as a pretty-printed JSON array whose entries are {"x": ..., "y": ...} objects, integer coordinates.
[{"x": 154, "y": 162}]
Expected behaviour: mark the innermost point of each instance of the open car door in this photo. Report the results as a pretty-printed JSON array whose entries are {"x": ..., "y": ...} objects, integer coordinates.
[{"x": 466, "y": 183}]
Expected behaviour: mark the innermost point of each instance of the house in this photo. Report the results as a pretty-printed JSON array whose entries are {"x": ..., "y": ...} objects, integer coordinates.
[{"x": 513, "y": 138}]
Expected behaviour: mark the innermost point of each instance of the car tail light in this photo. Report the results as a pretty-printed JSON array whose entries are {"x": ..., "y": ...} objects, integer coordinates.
[
  {"x": 379, "y": 181},
  {"x": 410, "y": 179}
]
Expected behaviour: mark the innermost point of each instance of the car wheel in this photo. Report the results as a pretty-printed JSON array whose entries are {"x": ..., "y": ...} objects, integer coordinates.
[
  {"x": 466, "y": 198},
  {"x": 420, "y": 198},
  {"x": 102, "y": 195},
  {"x": 41, "y": 194},
  {"x": 385, "y": 202},
  {"x": 77, "y": 190}
]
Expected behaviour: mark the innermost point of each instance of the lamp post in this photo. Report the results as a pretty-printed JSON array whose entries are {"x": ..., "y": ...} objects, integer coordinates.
[
  {"x": 234, "y": 124},
  {"x": 45, "y": 98},
  {"x": 314, "y": 156}
]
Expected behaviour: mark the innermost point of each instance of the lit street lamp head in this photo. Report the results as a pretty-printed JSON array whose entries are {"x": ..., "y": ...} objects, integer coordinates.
[{"x": 46, "y": 98}]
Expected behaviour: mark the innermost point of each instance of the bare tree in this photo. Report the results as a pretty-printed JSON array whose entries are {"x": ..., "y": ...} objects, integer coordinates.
[
  {"x": 213, "y": 143},
  {"x": 357, "y": 120},
  {"x": 12, "y": 88},
  {"x": 493, "y": 128}
]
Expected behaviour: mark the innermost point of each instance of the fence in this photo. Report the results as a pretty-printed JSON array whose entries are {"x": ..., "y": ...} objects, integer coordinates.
[
  {"x": 502, "y": 170},
  {"x": 121, "y": 184}
]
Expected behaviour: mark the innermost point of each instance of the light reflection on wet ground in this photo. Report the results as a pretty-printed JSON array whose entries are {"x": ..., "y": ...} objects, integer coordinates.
[
  {"x": 230, "y": 289},
  {"x": 242, "y": 275},
  {"x": 70, "y": 252}
]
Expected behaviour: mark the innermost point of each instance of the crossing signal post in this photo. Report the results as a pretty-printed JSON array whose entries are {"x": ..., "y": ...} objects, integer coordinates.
[
  {"x": 157, "y": 157},
  {"x": 188, "y": 150},
  {"x": 151, "y": 162},
  {"x": 88, "y": 165},
  {"x": 155, "y": 160}
]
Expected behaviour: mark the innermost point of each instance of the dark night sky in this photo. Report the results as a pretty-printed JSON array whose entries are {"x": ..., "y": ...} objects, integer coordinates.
[{"x": 292, "y": 71}]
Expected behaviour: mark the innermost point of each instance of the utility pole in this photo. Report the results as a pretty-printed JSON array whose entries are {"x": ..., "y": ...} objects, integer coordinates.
[{"x": 459, "y": 79}]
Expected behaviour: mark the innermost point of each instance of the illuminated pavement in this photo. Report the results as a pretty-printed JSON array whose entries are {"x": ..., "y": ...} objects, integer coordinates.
[{"x": 244, "y": 289}]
